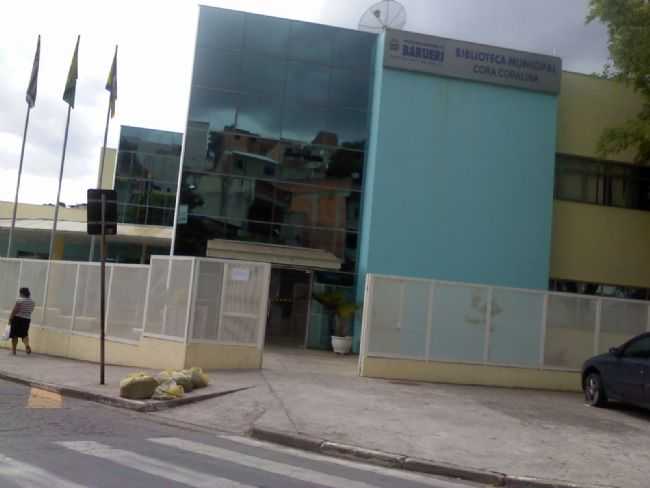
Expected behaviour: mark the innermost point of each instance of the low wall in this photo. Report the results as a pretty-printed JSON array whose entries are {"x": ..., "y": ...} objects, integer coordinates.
[
  {"x": 149, "y": 353},
  {"x": 221, "y": 356},
  {"x": 470, "y": 374}
]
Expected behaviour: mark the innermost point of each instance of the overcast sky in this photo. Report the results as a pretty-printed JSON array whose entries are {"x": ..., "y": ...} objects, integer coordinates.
[{"x": 155, "y": 40}]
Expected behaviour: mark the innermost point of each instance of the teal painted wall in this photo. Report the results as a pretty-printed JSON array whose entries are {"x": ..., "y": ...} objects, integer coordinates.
[{"x": 459, "y": 181}]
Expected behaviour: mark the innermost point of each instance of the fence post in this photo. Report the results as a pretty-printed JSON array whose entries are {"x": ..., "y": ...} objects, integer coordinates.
[
  {"x": 427, "y": 346},
  {"x": 542, "y": 341},
  {"x": 20, "y": 277},
  {"x": 264, "y": 310},
  {"x": 224, "y": 281},
  {"x": 599, "y": 309},
  {"x": 46, "y": 292},
  {"x": 107, "y": 312},
  {"x": 191, "y": 300},
  {"x": 146, "y": 298},
  {"x": 74, "y": 298},
  {"x": 366, "y": 324},
  {"x": 488, "y": 325},
  {"x": 163, "y": 331}
]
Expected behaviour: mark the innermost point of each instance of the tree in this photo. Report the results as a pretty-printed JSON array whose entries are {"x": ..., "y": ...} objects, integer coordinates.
[{"x": 628, "y": 24}]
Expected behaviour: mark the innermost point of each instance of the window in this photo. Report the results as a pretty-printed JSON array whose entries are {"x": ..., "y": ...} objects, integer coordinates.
[
  {"x": 599, "y": 289},
  {"x": 638, "y": 349},
  {"x": 602, "y": 183}
]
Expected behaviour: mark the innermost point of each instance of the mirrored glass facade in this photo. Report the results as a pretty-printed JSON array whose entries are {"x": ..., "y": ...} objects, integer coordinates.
[
  {"x": 146, "y": 177},
  {"x": 276, "y": 135}
]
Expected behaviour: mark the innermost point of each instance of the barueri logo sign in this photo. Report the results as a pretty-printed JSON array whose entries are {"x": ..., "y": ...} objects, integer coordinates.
[{"x": 477, "y": 62}]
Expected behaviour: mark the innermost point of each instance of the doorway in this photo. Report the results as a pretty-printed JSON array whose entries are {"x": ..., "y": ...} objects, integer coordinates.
[{"x": 289, "y": 302}]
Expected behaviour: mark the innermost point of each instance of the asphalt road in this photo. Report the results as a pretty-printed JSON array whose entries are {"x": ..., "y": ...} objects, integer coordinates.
[{"x": 50, "y": 442}]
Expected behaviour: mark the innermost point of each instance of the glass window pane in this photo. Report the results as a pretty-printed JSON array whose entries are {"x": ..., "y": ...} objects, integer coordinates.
[
  {"x": 124, "y": 164},
  {"x": 260, "y": 115},
  {"x": 197, "y": 140},
  {"x": 267, "y": 35},
  {"x": 354, "y": 49},
  {"x": 217, "y": 108},
  {"x": 307, "y": 83},
  {"x": 220, "y": 28},
  {"x": 311, "y": 42},
  {"x": 305, "y": 124},
  {"x": 150, "y": 141},
  {"x": 350, "y": 127},
  {"x": 263, "y": 74},
  {"x": 215, "y": 68},
  {"x": 349, "y": 89}
]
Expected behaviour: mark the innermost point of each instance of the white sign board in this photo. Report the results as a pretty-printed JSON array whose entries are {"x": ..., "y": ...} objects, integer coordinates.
[
  {"x": 468, "y": 61},
  {"x": 182, "y": 214},
  {"x": 240, "y": 274}
]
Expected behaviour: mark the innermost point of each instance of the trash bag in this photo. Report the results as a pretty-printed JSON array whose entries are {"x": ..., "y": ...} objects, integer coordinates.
[
  {"x": 184, "y": 379},
  {"x": 138, "y": 386},
  {"x": 199, "y": 378},
  {"x": 164, "y": 376},
  {"x": 168, "y": 391}
]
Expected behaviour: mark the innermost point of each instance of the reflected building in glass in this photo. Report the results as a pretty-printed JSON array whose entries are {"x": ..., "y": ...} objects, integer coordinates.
[
  {"x": 276, "y": 137},
  {"x": 146, "y": 176}
]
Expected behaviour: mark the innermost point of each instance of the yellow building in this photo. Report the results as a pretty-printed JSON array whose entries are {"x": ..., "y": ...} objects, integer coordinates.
[{"x": 601, "y": 222}]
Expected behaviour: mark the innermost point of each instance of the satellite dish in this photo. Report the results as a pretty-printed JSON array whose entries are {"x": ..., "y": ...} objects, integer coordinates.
[{"x": 388, "y": 14}]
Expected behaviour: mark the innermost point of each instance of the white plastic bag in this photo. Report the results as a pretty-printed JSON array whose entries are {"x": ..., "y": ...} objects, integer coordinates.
[{"x": 6, "y": 333}]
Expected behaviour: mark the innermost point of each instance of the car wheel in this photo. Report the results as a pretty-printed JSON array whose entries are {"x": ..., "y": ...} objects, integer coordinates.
[{"x": 595, "y": 391}]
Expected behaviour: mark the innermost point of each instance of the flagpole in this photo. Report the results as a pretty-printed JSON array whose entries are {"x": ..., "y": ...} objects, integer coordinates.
[
  {"x": 100, "y": 176},
  {"x": 58, "y": 195},
  {"x": 20, "y": 172}
]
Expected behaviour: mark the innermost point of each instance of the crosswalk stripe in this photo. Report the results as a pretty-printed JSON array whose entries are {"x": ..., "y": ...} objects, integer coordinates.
[
  {"x": 150, "y": 465},
  {"x": 288, "y": 470},
  {"x": 27, "y": 476},
  {"x": 388, "y": 472}
]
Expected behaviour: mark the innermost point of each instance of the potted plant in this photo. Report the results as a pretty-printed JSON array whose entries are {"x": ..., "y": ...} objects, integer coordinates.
[{"x": 341, "y": 311}]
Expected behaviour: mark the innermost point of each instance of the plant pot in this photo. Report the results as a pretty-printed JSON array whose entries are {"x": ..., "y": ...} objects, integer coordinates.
[{"x": 342, "y": 345}]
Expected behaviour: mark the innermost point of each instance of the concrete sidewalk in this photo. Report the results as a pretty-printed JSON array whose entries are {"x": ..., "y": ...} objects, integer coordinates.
[
  {"x": 81, "y": 379},
  {"x": 545, "y": 435}
]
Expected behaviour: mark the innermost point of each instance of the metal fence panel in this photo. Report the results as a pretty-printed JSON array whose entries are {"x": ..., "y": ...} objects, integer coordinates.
[
  {"x": 178, "y": 297},
  {"x": 620, "y": 321},
  {"x": 570, "y": 330},
  {"x": 87, "y": 313},
  {"x": 515, "y": 328},
  {"x": 33, "y": 275},
  {"x": 157, "y": 296},
  {"x": 385, "y": 316},
  {"x": 9, "y": 271},
  {"x": 207, "y": 304},
  {"x": 125, "y": 308},
  {"x": 459, "y": 322},
  {"x": 61, "y": 282}
]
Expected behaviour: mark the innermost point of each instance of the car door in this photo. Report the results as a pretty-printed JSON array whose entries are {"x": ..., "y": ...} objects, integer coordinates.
[{"x": 633, "y": 371}]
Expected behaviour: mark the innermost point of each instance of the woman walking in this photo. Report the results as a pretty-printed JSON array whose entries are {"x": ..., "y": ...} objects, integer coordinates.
[{"x": 19, "y": 320}]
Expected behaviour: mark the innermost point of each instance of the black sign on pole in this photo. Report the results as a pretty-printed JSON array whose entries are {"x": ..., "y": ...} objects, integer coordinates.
[
  {"x": 94, "y": 212},
  {"x": 102, "y": 220}
]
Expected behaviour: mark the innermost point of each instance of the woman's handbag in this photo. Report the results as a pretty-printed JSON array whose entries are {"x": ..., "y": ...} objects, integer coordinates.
[{"x": 6, "y": 334}]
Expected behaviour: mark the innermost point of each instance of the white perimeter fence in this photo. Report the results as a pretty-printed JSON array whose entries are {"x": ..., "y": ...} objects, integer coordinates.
[
  {"x": 429, "y": 320},
  {"x": 179, "y": 299}
]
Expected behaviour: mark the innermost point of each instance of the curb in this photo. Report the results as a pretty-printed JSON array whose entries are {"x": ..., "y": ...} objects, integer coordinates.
[
  {"x": 406, "y": 463},
  {"x": 133, "y": 405}
]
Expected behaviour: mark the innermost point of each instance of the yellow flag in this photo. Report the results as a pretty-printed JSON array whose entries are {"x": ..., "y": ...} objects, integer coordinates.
[
  {"x": 111, "y": 84},
  {"x": 71, "y": 83},
  {"x": 33, "y": 80}
]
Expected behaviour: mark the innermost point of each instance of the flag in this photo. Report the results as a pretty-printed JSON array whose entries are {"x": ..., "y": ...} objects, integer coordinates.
[
  {"x": 111, "y": 84},
  {"x": 71, "y": 83},
  {"x": 33, "y": 80}
]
